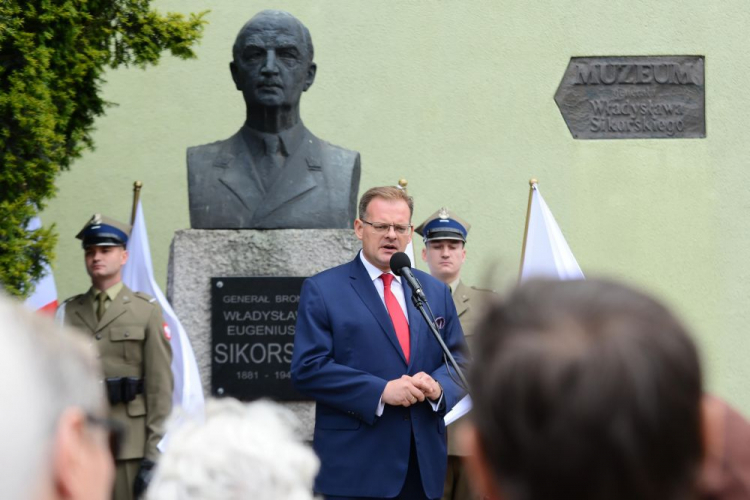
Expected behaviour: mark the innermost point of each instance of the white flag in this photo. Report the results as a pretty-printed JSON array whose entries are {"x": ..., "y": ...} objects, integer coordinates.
[
  {"x": 44, "y": 298},
  {"x": 138, "y": 275},
  {"x": 409, "y": 251},
  {"x": 547, "y": 253}
]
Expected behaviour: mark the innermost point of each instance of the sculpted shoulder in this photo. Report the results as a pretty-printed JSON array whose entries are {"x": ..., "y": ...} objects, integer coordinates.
[
  {"x": 206, "y": 154},
  {"x": 330, "y": 155}
]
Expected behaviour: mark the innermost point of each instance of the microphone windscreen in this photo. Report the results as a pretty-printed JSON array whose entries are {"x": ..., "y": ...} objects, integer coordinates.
[{"x": 399, "y": 260}]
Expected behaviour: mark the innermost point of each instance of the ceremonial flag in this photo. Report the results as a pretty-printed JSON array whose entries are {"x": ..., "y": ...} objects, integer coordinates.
[
  {"x": 44, "y": 298},
  {"x": 138, "y": 275},
  {"x": 409, "y": 251},
  {"x": 545, "y": 251}
]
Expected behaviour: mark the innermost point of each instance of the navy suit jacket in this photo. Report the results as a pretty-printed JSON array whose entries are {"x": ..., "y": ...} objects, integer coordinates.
[{"x": 345, "y": 351}]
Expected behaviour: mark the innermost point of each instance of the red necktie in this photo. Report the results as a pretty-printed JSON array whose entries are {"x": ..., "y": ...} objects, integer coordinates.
[{"x": 397, "y": 314}]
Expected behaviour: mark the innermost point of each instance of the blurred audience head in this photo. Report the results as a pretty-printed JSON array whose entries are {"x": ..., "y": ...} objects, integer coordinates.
[
  {"x": 240, "y": 451},
  {"x": 55, "y": 437},
  {"x": 585, "y": 390}
]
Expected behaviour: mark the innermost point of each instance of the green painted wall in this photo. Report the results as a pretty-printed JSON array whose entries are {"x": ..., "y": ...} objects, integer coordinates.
[{"x": 457, "y": 97}]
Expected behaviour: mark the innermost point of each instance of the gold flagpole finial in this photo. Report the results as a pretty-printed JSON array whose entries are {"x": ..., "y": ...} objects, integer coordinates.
[
  {"x": 533, "y": 181},
  {"x": 137, "y": 185},
  {"x": 402, "y": 184}
]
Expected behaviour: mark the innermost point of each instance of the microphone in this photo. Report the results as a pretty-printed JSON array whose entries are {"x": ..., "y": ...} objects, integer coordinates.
[{"x": 401, "y": 266}]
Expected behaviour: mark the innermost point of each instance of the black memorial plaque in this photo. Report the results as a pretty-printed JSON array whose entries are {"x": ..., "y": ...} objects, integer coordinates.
[
  {"x": 634, "y": 97},
  {"x": 252, "y": 331}
]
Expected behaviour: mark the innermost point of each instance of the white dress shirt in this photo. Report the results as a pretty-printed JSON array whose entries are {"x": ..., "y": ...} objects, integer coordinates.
[
  {"x": 398, "y": 291},
  {"x": 396, "y": 287}
]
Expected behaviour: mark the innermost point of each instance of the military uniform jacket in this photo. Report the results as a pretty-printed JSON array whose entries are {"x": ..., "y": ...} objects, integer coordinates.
[
  {"x": 470, "y": 303},
  {"x": 131, "y": 343}
]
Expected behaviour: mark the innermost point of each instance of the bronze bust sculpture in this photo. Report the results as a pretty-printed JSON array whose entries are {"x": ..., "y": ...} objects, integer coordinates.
[{"x": 273, "y": 173}]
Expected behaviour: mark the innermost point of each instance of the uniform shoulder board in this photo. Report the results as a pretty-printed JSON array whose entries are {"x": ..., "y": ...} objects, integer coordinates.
[
  {"x": 148, "y": 298},
  {"x": 70, "y": 299},
  {"x": 483, "y": 290},
  {"x": 60, "y": 312}
]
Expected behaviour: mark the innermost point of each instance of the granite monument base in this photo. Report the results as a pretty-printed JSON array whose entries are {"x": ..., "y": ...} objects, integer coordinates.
[{"x": 197, "y": 255}]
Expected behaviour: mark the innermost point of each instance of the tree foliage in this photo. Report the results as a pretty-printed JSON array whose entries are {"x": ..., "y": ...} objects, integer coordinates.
[{"x": 53, "y": 55}]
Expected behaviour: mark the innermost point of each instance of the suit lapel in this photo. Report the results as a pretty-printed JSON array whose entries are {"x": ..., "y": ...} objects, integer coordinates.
[
  {"x": 116, "y": 309},
  {"x": 296, "y": 179},
  {"x": 416, "y": 322},
  {"x": 366, "y": 291},
  {"x": 240, "y": 175},
  {"x": 85, "y": 310}
]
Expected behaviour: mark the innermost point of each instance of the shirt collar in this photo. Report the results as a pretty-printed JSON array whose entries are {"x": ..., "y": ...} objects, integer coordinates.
[
  {"x": 289, "y": 140},
  {"x": 454, "y": 285},
  {"x": 111, "y": 291},
  {"x": 373, "y": 271}
]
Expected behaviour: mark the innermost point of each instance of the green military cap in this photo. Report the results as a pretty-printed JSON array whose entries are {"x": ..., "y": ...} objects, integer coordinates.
[
  {"x": 102, "y": 231},
  {"x": 444, "y": 225}
]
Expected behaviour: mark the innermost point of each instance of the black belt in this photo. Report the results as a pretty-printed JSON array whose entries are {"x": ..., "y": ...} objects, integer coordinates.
[{"x": 123, "y": 389}]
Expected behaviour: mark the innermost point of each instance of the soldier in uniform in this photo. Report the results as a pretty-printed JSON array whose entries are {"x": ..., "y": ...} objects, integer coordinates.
[
  {"x": 444, "y": 235},
  {"x": 128, "y": 330}
]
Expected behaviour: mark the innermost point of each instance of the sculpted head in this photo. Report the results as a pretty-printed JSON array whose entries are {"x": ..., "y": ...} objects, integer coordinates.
[{"x": 273, "y": 60}]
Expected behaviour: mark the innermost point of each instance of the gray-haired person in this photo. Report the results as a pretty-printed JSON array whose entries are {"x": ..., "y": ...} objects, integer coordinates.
[
  {"x": 56, "y": 439},
  {"x": 241, "y": 451}
]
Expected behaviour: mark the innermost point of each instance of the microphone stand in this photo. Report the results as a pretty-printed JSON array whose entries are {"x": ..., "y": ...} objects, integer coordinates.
[{"x": 419, "y": 304}]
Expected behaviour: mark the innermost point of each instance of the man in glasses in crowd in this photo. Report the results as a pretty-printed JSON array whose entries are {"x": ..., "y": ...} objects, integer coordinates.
[
  {"x": 57, "y": 442},
  {"x": 367, "y": 357},
  {"x": 128, "y": 330}
]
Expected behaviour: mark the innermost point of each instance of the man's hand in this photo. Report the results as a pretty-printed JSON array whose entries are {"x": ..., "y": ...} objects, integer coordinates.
[
  {"x": 402, "y": 392},
  {"x": 427, "y": 385}
]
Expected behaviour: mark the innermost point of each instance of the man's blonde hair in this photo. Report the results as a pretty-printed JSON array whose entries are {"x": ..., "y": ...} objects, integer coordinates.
[{"x": 389, "y": 193}]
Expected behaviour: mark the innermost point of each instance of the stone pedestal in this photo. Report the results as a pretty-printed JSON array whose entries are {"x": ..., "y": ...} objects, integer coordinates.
[{"x": 197, "y": 255}]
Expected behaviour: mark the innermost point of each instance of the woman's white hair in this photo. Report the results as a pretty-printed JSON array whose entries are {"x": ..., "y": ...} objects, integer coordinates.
[{"x": 240, "y": 451}]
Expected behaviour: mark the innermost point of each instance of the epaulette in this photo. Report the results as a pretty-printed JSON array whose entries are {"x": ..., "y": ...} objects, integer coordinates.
[
  {"x": 148, "y": 298},
  {"x": 60, "y": 311},
  {"x": 487, "y": 290},
  {"x": 70, "y": 299}
]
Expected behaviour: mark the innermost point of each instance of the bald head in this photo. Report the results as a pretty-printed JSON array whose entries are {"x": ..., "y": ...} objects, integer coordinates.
[{"x": 274, "y": 20}]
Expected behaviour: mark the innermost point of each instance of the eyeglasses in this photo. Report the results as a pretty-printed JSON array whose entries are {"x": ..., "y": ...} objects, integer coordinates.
[
  {"x": 382, "y": 227},
  {"x": 115, "y": 430}
]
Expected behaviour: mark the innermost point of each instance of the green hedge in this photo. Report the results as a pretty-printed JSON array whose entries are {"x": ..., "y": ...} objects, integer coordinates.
[{"x": 53, "y": 55}]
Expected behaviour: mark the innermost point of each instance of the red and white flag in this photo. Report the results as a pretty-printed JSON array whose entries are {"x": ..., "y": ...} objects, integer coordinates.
[
  {"x": 44, "y": 298},
  {"x": 138, "y": 275}
]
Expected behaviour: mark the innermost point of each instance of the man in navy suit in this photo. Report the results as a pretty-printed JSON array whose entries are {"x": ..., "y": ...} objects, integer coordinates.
[{"x": 366, "y": 356}]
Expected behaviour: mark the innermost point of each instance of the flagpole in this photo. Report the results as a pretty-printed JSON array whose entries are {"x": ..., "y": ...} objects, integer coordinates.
[
  {"x": 137, "y": 185},
  {"x": 532, "y": 183}
]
